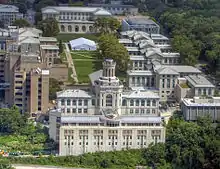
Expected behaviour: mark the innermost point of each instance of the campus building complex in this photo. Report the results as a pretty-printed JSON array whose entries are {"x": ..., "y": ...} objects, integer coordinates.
[
  {"x": 74, "y": 19},
  {"x": 108, "y": 117},
  {"x": 26, "y": 58},
  {"x": 154, "y": 66}
]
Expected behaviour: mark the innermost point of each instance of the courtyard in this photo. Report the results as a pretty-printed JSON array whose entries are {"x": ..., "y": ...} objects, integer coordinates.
[{"x": 85, "y": 62}]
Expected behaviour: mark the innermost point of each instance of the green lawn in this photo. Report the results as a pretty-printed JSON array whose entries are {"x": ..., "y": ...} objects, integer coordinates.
[
  {"x": 68, "y": 37},
  {"x": 85, "y": 63}
]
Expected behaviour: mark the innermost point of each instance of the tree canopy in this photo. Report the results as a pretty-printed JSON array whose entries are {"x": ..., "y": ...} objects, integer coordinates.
[
  {"x": 110, "y": 47},
  {"x": 107, "y": 25},
  {"x": 49, "y": 27},
  {"x": 21, "y": 23}
]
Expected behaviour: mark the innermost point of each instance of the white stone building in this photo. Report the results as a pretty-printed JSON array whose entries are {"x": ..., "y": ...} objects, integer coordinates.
[
  {"x": 9, "y": 13},
  {"x": 74, "y": 19},
  {"x": 195, "y": 107},
  {"x": 107, "y": 118},
  {"x": 154, "y": 66}
]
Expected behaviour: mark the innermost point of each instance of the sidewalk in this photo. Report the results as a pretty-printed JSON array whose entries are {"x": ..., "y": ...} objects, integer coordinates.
[{"x": 70, "y": 63}]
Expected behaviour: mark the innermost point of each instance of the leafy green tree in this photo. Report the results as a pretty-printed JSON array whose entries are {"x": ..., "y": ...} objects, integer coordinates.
[
  {"x": 107, "y": 25},
  {"x": 111, "y": 48},
  {"x": 49, "y": 27},
  {"x": 60, "y": 47},
  {"x": 6, "y": 166},
  {"x": 21, "y": 23},
  {"x": 154, "y": 154},
  {"x": 54, "y": 86}
]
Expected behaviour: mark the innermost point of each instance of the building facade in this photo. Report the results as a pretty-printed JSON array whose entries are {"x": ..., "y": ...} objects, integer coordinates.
[
  {"x": 195, "y": 107},
  {"x": 26, "y": 59},
  {"x": 74, "y": 19},
  {"x": 117, "y": 9},
  {"x": 108, "y": 117},
  {"x": 154, "y": 66},
  {"x": 144, "y": 24},
  {"x": 9, "y": 13}
]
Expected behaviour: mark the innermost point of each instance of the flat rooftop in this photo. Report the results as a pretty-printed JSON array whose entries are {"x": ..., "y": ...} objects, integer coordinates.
[
  {"x": 199, "y": 81},
  {"x": 111, "y": 5},
  {"x": 211, "y": 102},
  {"x": 49, "y": 47},
  {"x": 140, "y": 21}
]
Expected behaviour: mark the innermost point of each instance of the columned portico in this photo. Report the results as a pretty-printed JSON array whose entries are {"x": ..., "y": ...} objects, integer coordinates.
[{"x": 76, "y": 27}]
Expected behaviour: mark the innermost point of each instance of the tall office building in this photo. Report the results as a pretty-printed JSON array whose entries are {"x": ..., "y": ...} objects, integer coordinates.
[{"x": 25, "y": 61}]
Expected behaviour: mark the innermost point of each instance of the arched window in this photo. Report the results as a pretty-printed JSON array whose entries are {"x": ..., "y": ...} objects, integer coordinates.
[
  {"x": 90, "y": 29},
  {"x": 76, "y": 28},
  {"x": 69, "y": 28},
  {"x": 109, "y": 100},
  {"x": 124, "y": 102},
  {"x": 84, "y": 28},
  {"x": 62, "y": 27}
]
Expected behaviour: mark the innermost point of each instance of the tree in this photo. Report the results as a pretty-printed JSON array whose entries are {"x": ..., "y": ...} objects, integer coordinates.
[
  {"x": 6, "y": 166},
  {"x": 54, "y": 86},
  {"x": 11, "y": 120},
  {"x": 111, "y": 48},
  {"x": 154, "y": 154},
  {"x": 49, "y": 27},
  {"x": 21, "y": 23},
  {"x": 60, "y": 47},
  {"x": 107, "y": 24}
]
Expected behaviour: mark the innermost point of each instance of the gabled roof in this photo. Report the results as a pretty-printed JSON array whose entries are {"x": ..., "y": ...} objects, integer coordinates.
[
  {"x": 141, "y": 94},
  {"x": 102, "y": 12},
  {"x": 73, "y": 94},
  {"x": 167, "y": 71},
  {"x": 28, "y": 33},
  {"x": 29, "y": 40},
  {"x": 152, "y": 51}
]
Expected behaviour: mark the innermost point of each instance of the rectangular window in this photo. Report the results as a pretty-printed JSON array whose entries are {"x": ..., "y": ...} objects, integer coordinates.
[
  {"x": 68, "y": 110},
  {"x": 74, "y": 110},
  {"x": 68, "y": 102},
  {"x": 80, "y": 102},
  {"x": 79, "y": 110},
  {"x": 85, "y": 110},
  {"x": 62, "y": 102},
  {"x": 85, "y": 102},
  {"x": 74, "y": 102}
]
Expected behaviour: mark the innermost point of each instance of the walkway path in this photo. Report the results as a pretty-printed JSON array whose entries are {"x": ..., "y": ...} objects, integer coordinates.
[{"x": 70, "y": 63}]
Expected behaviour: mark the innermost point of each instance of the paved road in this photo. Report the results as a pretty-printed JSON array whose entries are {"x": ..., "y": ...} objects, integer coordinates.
[
  {"x": 70, "y": 63},
  {"x": 21, "y": 166}
]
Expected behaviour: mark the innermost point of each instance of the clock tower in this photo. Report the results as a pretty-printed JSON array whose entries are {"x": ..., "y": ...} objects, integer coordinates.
[{"x": 109, "y": 90}]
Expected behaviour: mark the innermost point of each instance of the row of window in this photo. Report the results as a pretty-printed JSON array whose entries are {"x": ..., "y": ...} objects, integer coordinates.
[
  {"x": 204, "y": 91},
  {"x": 113, "y": 143},
  {"x": 74, "y": 102},
  {"x": 168, "y": 83},
  {"x": 140, "y": 102},
  {"x": 68, "y": 110}
]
